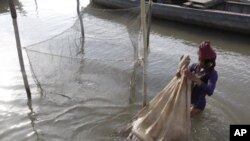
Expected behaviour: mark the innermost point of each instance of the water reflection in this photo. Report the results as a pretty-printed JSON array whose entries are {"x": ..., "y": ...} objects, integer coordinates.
[
  {"x": 223, "y": 40},
  {"x": 4, "y": 6}
]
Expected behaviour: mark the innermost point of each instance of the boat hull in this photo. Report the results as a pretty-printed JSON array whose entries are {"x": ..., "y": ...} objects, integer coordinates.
[{"x": 225, "y": 20}]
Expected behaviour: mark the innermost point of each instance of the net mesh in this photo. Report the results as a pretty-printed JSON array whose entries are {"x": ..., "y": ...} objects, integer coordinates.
[
  {"x": 104, "y": 70},
  {"x": 105, "y": 73}
]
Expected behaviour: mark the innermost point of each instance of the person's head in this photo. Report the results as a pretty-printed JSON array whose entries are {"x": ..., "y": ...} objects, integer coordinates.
[{"x": 207, "y": 55}]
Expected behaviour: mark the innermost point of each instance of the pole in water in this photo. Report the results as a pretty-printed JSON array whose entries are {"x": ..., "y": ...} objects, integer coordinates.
[
  {"x": 81, "y": 24},
  {"x": 145, "y": 54},
  {"x": 19, "y": 50}
]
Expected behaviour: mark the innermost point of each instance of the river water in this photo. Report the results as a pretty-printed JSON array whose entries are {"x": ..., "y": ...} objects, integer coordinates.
[{"x": 52, "y": 119}]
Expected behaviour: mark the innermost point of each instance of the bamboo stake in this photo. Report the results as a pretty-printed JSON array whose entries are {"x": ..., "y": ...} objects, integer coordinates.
[
  {"x": 81, "y": 24},
  {"x": 19, "y": 49},
  {"x": 145, "y": 54},
  {"x": 149, "y": 15}
]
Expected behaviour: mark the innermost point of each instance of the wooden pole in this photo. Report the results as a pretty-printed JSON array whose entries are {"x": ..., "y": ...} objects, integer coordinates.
[
  {"x": 149, "y": 15},
  {"x": 36, "y": 7},
  {"x": 145, "y": 49},
  {"x": 81, "y": 24},
  {"x": 19, "y": 49}
]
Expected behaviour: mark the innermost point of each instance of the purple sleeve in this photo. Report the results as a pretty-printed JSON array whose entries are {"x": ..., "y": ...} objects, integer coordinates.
[
  {"x": 192, "y": 67},
  {"x": 211, "y": 84}
]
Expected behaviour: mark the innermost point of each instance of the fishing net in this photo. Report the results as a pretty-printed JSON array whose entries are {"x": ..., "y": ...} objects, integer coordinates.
[
  {"x": 100, "y": 69},
  {"x": 167, "y": 116},
  {"x": 105, "y": 68}
]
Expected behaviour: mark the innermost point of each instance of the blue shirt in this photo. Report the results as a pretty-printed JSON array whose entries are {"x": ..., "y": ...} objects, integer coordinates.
[{"x": 198, "y": 93}]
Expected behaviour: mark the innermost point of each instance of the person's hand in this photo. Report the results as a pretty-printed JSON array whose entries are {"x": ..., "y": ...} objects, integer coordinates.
[
  {"x": 189, "y": 75},
  {"x": 178, "y": 73}
]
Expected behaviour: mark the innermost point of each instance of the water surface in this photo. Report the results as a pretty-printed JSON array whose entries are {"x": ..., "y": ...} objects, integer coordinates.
[{"x": 53, "y": 117}]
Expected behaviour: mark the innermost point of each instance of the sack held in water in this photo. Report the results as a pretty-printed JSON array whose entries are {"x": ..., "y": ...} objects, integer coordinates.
[{"x": 167, "y": 116}]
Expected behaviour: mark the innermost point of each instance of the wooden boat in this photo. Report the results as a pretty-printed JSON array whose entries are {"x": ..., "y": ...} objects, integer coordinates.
[{"x": 220, "y": 14}]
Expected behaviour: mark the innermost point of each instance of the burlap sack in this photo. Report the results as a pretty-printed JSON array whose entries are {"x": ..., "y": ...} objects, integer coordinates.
[{"x": 167, "y": 115}]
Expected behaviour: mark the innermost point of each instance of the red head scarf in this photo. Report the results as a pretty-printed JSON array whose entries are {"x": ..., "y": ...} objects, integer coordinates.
[{"x": 205, "y": 51}]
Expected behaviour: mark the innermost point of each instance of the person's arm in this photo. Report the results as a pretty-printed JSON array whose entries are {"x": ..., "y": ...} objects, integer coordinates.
[
  {"x": 207, "y": 88},
  {"x": 188, "y": 73},
  {"x": 211, "y": 84},
  {"x": 192, "y": 77}
]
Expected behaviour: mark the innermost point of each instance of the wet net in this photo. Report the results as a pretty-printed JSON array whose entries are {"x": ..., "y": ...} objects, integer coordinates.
[
  {"x": 100, "y": 69},
  {"x": 98, "y": 66}
]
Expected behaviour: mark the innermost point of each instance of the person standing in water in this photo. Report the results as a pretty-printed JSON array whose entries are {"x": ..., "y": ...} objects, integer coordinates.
[{"x": 203, "y": 76}]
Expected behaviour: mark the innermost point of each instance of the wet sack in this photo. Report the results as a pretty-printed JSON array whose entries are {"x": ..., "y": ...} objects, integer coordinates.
[{"x": 167, "y": 116}]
